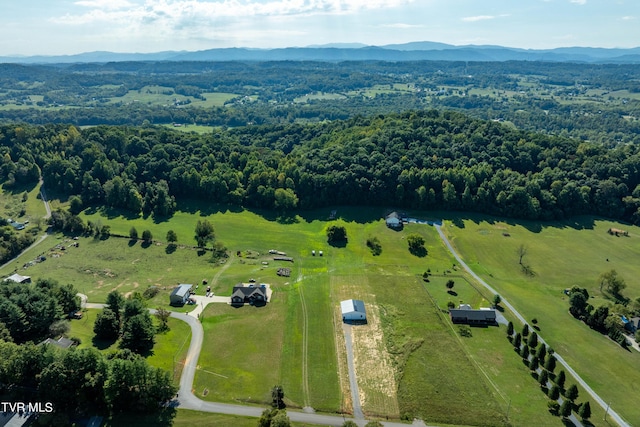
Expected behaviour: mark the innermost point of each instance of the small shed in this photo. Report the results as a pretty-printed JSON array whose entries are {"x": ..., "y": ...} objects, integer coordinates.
[
  {"x": 353, "y": 309},
  {"x": 17, "y": 278},
  {"x": 180, "y": 294}
]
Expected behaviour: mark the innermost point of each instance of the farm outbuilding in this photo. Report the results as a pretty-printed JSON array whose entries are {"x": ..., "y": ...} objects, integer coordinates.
[
  {"x": 17, "y": 278},
  {"x": 353, "y": 309},
  {"x": 180, "y": 294}
]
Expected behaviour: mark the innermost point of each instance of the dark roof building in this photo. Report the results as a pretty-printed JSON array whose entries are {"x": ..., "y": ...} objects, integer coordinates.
[
  {"x": 250, "y": 294},
  {"x": 465, "y": 314}
]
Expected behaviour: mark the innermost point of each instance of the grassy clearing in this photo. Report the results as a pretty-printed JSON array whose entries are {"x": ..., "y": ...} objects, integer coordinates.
[
  {"x": 186, "y": 127},
  {"x": 561, "y": 254},
  {"x": 240, "y": 358},
  {"x": 432, "y": 364},
  {"x": 97, "y": 267}
]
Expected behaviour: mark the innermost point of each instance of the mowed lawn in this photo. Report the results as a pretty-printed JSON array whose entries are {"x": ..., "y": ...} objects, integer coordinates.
[
  {"x": 562, "y": 254},
  {"x": 240, "y": 357}
]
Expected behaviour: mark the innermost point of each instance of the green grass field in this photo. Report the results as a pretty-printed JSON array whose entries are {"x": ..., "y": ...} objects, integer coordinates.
[
  {"x": 296, "y": 339},
  {"x": 561, "y": 255}
]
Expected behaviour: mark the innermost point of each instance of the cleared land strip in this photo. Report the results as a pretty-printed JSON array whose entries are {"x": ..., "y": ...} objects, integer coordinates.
[
  {"x": 305, "y": 347},
  {"x": 559, "y": 358}
]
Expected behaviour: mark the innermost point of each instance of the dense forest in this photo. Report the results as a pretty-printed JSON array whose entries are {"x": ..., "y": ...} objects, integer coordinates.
[{"x": 420, "y": 159}]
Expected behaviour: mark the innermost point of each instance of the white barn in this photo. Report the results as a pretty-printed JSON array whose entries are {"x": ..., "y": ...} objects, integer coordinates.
[{"x": 353, "y": 309}]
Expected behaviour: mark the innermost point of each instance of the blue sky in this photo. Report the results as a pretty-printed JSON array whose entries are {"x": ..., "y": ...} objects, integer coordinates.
[{"x": 53, "y": 27}]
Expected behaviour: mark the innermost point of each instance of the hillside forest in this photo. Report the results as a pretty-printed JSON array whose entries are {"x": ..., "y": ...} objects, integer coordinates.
[{"x": 419, "y": 159}]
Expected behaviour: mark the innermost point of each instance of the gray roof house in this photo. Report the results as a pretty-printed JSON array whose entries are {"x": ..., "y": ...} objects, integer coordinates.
[
  {"x": 61, "y": 342},
  {"x": 180, "y": 294},
  {"x": 251, "y": 294},
  {"x": 465, "y": 314}
]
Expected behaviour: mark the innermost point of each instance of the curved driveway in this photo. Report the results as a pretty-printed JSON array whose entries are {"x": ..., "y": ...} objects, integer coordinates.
[{"x": 594, "y": 395}]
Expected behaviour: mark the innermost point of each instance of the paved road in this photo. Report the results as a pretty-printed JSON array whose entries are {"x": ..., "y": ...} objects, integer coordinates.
[{"x": 611, "y": 413}]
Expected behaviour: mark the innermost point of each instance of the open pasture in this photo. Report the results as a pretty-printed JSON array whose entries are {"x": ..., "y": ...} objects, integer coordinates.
[
  {"x": 295, "y": 340},
  {"x": 560, "y": 255}
]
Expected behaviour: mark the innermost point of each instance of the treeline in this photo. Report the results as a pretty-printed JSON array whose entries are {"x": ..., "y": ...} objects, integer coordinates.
[
  {"x": 81, "y": 382},
  {"x": 12, "y": 242},
  {"x": 420, "y": 159}
]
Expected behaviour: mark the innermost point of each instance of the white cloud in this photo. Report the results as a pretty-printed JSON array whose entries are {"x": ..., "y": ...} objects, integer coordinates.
[
  {"x": 482, "y": 17},
  {"x": 401, "y": 25},
  {"x": 104, "y": 4},
  {"x": 178, "y": 10},
  {"x": 628, "y": 18},
  {"x": 580, "y": 2}
]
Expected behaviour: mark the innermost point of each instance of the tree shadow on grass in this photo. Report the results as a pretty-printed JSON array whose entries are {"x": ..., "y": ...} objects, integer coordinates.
[
  {"x": 171, "y": 248},
  {"x": 453, "y": 293},
  {"x": 132, "y": 242},
  {"x": 567, "y": 422},
  {"x": 338, "y": 243},
  {"x": 102, "y": 344},
  {"x": 419, "y": 252},
  {"x": 145, "y": 245}
]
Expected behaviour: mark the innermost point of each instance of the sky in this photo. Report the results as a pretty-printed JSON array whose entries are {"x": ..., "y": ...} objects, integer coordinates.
[{"x": 63, "y": 27}]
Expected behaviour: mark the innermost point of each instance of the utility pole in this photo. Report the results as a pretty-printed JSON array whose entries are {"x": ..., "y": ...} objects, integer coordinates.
[{"x": 606, "y": 412}]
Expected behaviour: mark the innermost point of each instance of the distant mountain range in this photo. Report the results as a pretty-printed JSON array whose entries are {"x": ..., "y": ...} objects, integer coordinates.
[{"x": 414, "y": 51}]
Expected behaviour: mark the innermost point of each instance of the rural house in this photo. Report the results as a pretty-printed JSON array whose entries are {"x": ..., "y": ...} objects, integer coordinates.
[
  {"x": 249, "y": 294},
  {"x": 180, "y": 294},
  {"x": 353, "y": 310},
  {"x": 465, "y": 314},
  {"x": 394, "y": 221},
  {"x": 61, "y": 342}
]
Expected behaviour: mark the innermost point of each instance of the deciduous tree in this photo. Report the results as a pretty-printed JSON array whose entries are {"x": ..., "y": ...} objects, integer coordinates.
[{"x": 204, "y": 233}]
